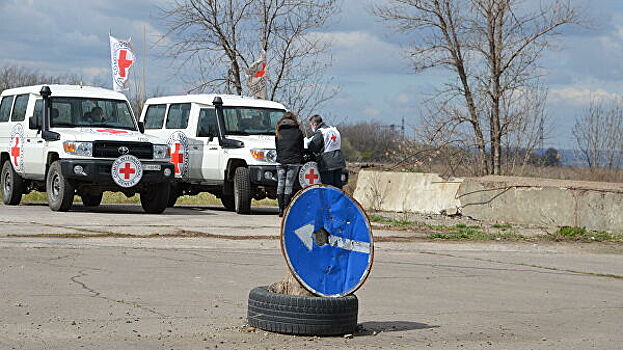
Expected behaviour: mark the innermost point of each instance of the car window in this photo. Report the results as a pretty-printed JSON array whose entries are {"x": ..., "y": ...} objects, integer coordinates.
[
  {"x": 38, "y": 113},
  {"x": 207, "y": 125},
  {"x": 154, "y": 117},
  {"x": 19, "y": 110},
  {"x": 5, "y": 108},
  {"x": 177, "y": 118}
]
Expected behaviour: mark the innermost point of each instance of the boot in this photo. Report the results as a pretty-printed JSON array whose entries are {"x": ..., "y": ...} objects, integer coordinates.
[
  {"x": 286, "y": 201},
  {"x": 280, "y": 201}
]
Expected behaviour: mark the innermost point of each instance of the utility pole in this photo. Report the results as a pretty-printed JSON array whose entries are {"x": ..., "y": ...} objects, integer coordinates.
[
  {"x": 402, "y": 128},
  {"x": 144, "y": 64}
]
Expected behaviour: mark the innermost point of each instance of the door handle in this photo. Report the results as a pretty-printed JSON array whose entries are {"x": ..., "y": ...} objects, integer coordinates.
[{"x": 195, "y": 147}]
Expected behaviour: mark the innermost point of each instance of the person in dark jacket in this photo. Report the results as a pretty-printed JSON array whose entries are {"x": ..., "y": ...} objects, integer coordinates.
[
  {"x": 289, "y": 143},
  {"x": 326, "y": 143}
]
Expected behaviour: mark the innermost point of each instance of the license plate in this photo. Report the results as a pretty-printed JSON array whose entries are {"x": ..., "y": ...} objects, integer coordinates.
[{"x": 151, "y": 167}]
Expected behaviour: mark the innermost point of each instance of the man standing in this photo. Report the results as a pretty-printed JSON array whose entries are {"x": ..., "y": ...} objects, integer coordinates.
[{"x": 326, "y": 143}]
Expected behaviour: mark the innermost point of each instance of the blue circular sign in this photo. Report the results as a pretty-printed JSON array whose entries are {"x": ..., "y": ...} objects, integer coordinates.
[{"x": 327, "y": 241}]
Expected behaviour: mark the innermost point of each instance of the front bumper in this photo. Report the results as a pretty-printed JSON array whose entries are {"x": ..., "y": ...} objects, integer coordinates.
[
  {"x": 98, "y": 172},
  {"x": 263, "y": 175}
]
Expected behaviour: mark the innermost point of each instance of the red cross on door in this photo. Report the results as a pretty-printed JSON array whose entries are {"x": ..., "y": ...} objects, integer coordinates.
[
  {"x": 312, "y": 176},
  {"x": 127, "y": 170},
  {"x": 123, "y": 62},
  {"x": 15, "y": 152},
  {"x": 177, "y": 157}
]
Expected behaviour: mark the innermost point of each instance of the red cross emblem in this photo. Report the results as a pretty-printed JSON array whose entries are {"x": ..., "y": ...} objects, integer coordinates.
[
  {"x": 123, "y": 62},
  {"x": 177, "y": 157},
  {"x": 127, "y": 170},
  {"x": 333, "y": 137},
  {"x": 312, "y": 176},
  {"x": 112, "y": 131},
  {"x": 15, "y": 151}
]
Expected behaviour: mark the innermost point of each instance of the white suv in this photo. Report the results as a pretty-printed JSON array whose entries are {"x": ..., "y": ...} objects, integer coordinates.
[
  {"x": 221, "y": 144},
  {"x": 67, "y": 140}
]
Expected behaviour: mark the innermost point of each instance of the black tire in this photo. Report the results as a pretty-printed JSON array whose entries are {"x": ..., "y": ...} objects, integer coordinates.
[
  {"x": 302, "y": 315},
  {"x": 60, "y": 192},
  {"x": 228, "y": 202},
  {"x": 12, "y": 185},
  {"x": 242, "y": 191},
  {"x": 174, "y": 194},
  {"x": 92, "y": 199},
  {"x": 155, "y": 198}
]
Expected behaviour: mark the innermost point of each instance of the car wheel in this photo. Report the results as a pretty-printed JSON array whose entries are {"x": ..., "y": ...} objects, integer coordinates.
[
  {"x": 242, "y": 191},
  {"x": 12, "y": 185},
  {"x": 154, "y": 198},
  {"x": 92, "y": 199},
  {"x": 60, "y": 192},
  {"x": 228, "y": 202},
  {"x": 302, "y": 315},
  {"x": 174, "y": 194}
]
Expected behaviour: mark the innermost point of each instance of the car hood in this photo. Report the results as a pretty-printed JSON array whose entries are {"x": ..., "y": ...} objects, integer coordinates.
[
  {"x": 112, "y": 134},
  {"x": 255, "y": 141}
]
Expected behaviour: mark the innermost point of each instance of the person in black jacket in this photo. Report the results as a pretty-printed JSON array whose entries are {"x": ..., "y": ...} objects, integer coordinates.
[
  {"x": 326, "y": 143},
  {"x": 289, "y": 143}
]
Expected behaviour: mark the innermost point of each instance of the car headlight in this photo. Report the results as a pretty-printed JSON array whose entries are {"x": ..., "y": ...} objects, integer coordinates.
[
  {"x": 84, "y": 149},
  {"x": 162, "y": 152},
  {"x": 264, "y": 155}
]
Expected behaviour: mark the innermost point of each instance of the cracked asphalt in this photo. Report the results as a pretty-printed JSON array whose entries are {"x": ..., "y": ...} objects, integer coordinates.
[{"x": 181, "y": 280}]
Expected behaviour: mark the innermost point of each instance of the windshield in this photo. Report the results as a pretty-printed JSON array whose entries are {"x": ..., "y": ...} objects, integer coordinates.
[
  {"x": 74, "y": 112},
  {"x": 251, "y": 120}
]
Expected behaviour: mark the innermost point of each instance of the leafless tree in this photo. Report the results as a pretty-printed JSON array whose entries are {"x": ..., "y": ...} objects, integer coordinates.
[
  {"x": 492, "y": 48},
  {"x": 220, "y": 39},
  {"x": 15, "y": 76},
  {"x": 598, "y": 134}
]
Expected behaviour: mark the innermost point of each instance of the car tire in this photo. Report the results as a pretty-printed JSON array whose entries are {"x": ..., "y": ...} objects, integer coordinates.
[
  {"x": 12, "y": 185},
  {"x": 228, "y": 202},
  {"x": 302, "y": 315},
  {"x": 242, "y": 191},
  {"x": 174, "y": 194},
  {"x": 155, "y": 198},
  {"x": 92, "y": 199},
  {"x": 60, "y": 192}
]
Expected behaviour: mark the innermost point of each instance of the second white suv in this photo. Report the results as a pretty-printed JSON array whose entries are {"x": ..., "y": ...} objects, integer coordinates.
[{"x": 221, "y": 144}]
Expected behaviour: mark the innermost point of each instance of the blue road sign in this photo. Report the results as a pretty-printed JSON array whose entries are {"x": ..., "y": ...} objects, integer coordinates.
[{"x": 327, "y": 241}]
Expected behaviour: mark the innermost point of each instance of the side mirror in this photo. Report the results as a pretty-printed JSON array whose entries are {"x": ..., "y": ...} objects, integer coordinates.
[
  {"x": 229, "y": 143},
  {"x": 34, "y": 123},
  {"x": 141, "y": 127}
]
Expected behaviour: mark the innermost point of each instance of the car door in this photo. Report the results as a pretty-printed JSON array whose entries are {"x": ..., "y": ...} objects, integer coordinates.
[
  {"x": 206, "y": 148},
  {"x": 34, "y": 147}
]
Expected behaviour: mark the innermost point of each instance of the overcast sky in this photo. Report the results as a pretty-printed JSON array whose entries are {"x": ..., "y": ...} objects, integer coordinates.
[{"x": 376, "y": 82}]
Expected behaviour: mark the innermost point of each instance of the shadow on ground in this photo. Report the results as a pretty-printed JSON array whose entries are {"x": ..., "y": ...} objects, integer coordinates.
[{"x": 371, "y": 328}]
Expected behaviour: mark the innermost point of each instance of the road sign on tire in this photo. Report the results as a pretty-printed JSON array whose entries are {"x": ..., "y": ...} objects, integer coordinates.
[{"x": 327, "y": 241}]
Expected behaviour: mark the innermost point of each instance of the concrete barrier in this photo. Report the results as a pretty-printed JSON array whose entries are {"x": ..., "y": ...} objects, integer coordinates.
[
  {"x": 547, "y": 202},
  {"x": 407, "y": 192}
]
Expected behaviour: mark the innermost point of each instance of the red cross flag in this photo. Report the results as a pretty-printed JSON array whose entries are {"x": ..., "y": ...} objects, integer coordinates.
[
  {"x": 122, "y": 58},
  {"x": 256, "y": 77}
]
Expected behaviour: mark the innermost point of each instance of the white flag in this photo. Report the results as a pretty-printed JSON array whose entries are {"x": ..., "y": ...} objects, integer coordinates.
[
  {"x": 256, "y": 77},
  {"x": 122, "y": 57}
]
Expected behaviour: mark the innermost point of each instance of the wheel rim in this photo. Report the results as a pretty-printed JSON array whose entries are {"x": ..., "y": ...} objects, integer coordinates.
[
  {"x": 56, "y": 186},
  {"x": 6, "y": 180}
]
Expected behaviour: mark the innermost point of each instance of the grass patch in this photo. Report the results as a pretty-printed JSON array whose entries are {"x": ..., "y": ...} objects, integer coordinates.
[
  {"x": 581, "y": 234},
  {"x": 390, "y": 221},
  {"x": 119, "y": 198},
  {"x": 502, "y": 226},
  {"x": 471, "y": 233}
]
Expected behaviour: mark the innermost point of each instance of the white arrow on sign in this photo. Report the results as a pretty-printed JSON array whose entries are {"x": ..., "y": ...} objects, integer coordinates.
[{"x": 306, "y": 235}]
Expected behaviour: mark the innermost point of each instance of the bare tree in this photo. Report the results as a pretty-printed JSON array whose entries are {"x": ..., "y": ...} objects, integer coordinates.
[
  {"x": 15, "y": 76},
  {"x": 598, "y": 134},
  {"x": 222, "y": 38},
  {"x": 492, "y": 47}
]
